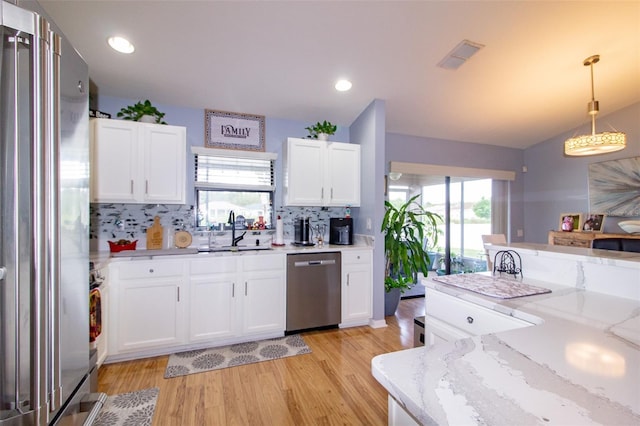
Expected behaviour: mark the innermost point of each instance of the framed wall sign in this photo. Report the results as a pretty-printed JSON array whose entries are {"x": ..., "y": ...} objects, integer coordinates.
[{"x": 232, "y": 130}]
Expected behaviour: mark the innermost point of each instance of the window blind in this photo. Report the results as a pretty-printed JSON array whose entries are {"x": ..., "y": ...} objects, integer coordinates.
[{"x": 234, "y": 173}]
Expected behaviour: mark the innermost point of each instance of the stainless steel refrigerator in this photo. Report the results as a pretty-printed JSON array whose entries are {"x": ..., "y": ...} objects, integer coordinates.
[{"x": 44, "y": 206}]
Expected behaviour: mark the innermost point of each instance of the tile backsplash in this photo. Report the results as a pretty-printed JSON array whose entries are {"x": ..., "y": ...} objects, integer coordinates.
[{"x": 112, "y": 221}]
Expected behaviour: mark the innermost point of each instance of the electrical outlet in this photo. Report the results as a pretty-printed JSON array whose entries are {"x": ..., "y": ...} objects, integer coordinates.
[
  {"x": 519, "y": 232},
  {"x": 368, "y": 224}
]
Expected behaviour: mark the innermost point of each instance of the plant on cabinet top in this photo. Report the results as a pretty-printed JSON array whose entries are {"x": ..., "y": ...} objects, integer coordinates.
[{"x": 139, "y": 110}]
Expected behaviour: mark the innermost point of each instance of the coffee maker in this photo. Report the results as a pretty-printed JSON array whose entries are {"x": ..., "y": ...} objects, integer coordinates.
[
  {"x": 302, "y": 232},
  {"x": 341, "y": 230}
]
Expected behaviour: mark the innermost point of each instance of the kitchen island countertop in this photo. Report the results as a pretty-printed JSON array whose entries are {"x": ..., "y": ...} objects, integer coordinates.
[{"x": 579, "y": 364}]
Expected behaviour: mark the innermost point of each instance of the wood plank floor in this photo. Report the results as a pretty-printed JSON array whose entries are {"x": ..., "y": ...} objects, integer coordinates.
[{"x": 331, "y": 386}]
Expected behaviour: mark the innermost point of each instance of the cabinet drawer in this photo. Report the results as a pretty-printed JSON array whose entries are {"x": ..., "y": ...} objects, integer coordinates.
[
  {"x": 144, "y": 269},
  {"x": 211, "y": 265},
  {"x": 571, "y": 242},
  {"x": 470, "y": 318},
  {"x": 363, "y": 257},
  {"x": 263, "y": 262}
]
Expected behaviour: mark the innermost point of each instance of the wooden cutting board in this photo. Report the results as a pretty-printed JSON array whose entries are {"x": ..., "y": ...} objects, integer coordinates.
[{"x": 154, "y": 235}]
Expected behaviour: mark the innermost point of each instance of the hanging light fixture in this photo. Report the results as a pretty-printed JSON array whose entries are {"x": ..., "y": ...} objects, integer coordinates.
[{"x": 595, "y": 143}]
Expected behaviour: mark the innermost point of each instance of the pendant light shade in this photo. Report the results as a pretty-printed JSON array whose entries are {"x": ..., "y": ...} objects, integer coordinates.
[{"x": 595, "y": 143}]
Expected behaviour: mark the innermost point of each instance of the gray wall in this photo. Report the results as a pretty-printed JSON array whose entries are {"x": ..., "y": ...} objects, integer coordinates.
[
  {"x": 368, "y": 130},
  {"x": 415, "y": 149},
  {"x": 556, "y": 184}
]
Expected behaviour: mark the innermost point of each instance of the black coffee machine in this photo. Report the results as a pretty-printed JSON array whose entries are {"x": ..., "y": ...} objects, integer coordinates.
[
  {"x": 341, "y": 230},
  {"x": 302, "y": 232}
]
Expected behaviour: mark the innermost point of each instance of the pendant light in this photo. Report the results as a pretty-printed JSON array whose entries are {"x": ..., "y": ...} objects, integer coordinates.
[{"x": 595, "y": 143}]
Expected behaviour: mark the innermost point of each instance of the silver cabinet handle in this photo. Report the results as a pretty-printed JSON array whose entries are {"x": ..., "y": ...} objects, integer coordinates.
[
  {"x": 146, "y": 187},
  {"x": 348, "y": 277},
  {"x": 233, "y": 289},
  {"x": 245, "y": 288},
  {"x": 178, "y": 293},
  {"x": 131, "y": 186}
]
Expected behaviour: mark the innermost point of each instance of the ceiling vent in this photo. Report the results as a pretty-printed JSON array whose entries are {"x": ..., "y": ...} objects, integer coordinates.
[{"x": 459, "y": 55}]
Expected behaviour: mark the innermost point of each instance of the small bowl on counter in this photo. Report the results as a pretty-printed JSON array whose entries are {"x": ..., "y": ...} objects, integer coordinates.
[{"x": 121, "y": 245}]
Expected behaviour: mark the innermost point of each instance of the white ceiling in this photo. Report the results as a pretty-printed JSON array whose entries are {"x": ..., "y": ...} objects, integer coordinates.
[{"x": 281, "y": 59}]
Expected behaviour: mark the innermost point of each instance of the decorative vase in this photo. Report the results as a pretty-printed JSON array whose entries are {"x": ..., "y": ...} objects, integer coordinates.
[
  {"x": 323, "y": 136},
  {"x": 147, "y": 119},
  {"x": 391, "y": 301}
]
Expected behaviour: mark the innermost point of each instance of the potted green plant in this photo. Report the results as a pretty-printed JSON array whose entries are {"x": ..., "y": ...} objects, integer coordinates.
[
  {"x": 321, "y": 131},
  {"x": 142, "y": 111},
  {"x": 407, "y": 229}
]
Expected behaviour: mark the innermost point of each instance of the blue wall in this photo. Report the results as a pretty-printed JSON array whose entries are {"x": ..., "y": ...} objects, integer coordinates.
[
  {"x": 414, "y": 149},
  {"x": 556, "y": 184}
]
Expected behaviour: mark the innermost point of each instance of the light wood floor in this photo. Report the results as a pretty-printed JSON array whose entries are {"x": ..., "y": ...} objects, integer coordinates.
[{"x": 332, "y": 385}]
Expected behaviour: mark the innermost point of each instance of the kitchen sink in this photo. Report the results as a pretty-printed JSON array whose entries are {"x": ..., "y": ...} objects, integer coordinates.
[{"x": 230, "y": 248}]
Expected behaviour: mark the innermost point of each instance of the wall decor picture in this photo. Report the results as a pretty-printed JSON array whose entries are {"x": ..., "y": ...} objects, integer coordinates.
[
  {"x": 593, "y": 222},
  {"x": 232, "y": 130},
  {"x": 614, "y": 187},
  {"x": 570, "y": 222}
]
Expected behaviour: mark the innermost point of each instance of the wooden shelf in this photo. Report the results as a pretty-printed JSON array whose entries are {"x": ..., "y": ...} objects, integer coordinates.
[{"x": 581, "y": 238}]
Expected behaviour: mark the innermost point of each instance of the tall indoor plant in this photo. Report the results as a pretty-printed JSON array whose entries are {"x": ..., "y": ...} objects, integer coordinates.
[{"x": 408, "y": 229}]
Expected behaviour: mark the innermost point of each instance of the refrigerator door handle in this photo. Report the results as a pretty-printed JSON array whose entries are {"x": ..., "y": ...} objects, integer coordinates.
[{"x": 52, "y": 155}]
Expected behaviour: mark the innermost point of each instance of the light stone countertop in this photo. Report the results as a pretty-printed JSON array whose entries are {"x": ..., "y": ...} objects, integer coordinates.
[
  {"x": 579, "y": 365},
  {"x": 103, "y": 258}
]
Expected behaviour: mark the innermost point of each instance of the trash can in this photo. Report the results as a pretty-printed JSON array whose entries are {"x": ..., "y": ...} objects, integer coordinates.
[{"x": 418, "y": 331}]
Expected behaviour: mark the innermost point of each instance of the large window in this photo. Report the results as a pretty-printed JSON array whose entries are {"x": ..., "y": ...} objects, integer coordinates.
[{"x": 233, "y": 181}]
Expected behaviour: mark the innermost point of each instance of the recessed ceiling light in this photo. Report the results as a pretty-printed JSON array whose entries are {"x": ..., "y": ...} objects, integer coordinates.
[
  {"x": 343, "y": 85},
  {"x": 121, "y": 44}
]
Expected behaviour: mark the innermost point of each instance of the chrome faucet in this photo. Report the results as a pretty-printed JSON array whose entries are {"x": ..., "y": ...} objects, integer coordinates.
[{"x": 232, "y": 221}]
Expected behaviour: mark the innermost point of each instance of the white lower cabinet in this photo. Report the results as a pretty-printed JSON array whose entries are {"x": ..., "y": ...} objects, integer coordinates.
[
  {"x": 213, "y": 311},
  {"x": 236, "y": 296},
  {"x": 148, "y": 305},
  {"x": 356, "y": 287},
  {"x": 450, "y": 318}
]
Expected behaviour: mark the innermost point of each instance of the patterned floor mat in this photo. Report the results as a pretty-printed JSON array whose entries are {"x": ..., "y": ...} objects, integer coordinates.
[
  {"x": 129, "y": 409},
  {"x": 197, "y": 361}
]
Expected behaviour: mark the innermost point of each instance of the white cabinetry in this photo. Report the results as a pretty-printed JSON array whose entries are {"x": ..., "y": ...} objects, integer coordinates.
[
  {"x": 236, "y": 296},
  {"x": 148, "y": 305},
  {"x": 319, "y": 173},
  {"x": 356, "y": 287},
  {"x": 449, "y": 318},
  {"x": 134, "y": 162},
  {"x": 213, "y": 311}
]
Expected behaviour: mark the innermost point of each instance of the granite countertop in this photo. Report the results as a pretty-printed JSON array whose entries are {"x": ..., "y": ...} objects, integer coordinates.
[
  {"x": 102, "y": 258},
  {"x": 579, "y": 364}
]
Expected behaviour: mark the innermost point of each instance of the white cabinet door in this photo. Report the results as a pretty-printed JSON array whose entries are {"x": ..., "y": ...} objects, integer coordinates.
[
  {"x": 135, "y": 162},
  {"x": 304, "y": 172},
  {"x": 114, "y": 160},
  {"x": 215, "y": 297},
  {"x": 147, "y": 305},
  {"x": 319, "y": 173},
  {"x": 164, "y": 153},
  {"x": 264, "y": 293},
  {"x": 343, "y": 174},
  {"x": 356, "y": 287}
]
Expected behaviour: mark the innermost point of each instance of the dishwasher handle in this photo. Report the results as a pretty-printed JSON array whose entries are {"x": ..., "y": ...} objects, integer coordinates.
[{"x": 315, "y": 263}]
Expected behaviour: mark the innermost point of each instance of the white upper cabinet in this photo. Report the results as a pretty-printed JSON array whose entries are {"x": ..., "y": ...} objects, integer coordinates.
[
  {"x": 134, "y": 162},
  {"x": 319, "y": 173}
]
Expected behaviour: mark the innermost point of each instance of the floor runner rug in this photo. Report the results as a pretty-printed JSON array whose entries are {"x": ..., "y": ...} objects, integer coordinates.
[
  {"x": 197, "y": 361},
  {"x": 128, "y": 409}
]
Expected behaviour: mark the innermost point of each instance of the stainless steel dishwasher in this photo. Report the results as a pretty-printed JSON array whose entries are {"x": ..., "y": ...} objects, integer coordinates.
[{"x": 313, "y": 291}]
